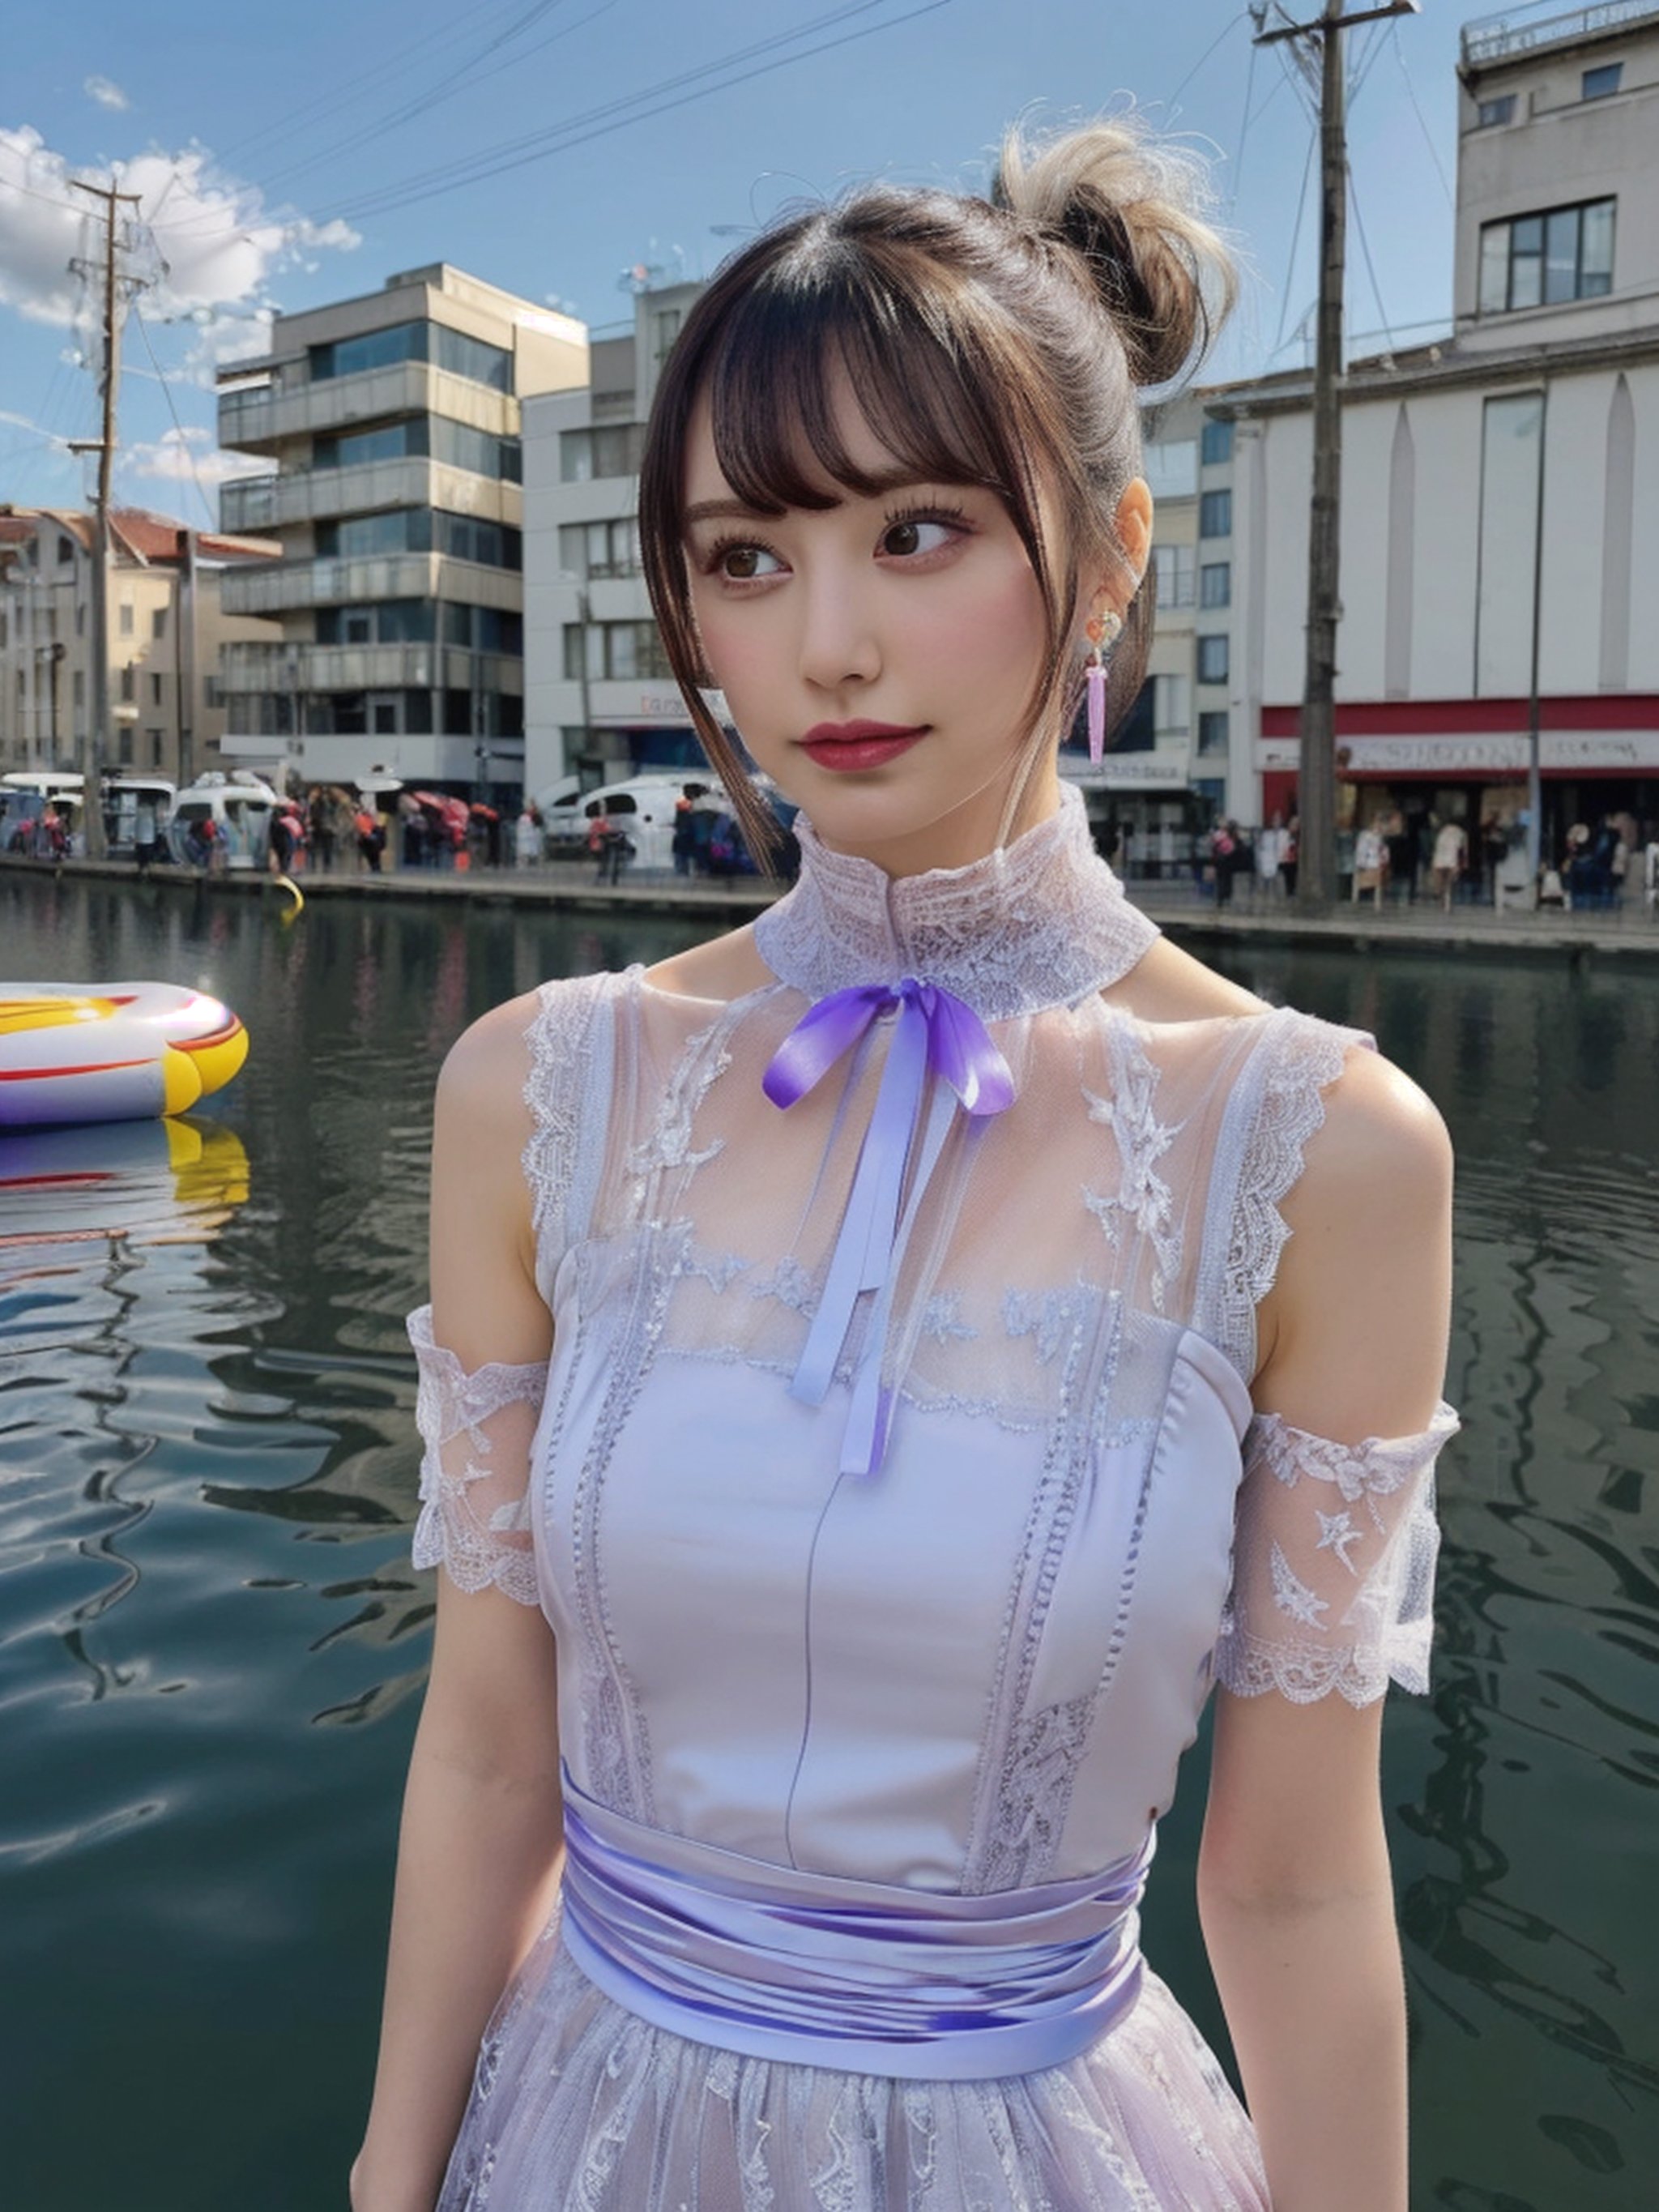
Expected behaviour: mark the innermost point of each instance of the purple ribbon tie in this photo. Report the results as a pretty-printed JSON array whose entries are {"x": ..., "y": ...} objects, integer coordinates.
[{"x": 941, "y": 1056}]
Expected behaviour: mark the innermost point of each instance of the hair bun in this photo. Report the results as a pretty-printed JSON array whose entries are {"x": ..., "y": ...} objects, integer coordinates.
[{"x": 1131, "y": 208}]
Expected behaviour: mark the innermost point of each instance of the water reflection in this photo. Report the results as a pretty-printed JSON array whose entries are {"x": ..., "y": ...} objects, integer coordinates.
[{"x": 211, "y": 1635}]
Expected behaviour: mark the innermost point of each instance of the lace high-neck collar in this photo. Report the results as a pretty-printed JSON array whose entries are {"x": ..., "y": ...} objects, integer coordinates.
[{"x": 1042, "y": 922}]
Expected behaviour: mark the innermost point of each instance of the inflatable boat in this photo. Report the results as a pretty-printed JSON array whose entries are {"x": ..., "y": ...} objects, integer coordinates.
[{"x": 126, "y": 1053}]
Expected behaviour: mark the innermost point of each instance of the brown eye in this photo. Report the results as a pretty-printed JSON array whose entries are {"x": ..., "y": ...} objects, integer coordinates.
[
  {"x": 903, "y": 538},
  {"x": 745, "y": 564}
]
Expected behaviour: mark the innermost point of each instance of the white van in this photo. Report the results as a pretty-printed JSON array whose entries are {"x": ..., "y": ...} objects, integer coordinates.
[
  {"x": 643, "y": 808},
  {"x": 239, "y": 808}
]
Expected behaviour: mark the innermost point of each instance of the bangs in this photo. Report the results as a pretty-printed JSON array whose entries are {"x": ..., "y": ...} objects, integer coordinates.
[{"x": 793, "y": 343}]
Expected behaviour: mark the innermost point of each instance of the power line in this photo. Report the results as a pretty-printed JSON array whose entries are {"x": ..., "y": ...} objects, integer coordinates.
[
  {"x": 1434, "y": 151},
  {"x": 560, "y": 137},
  {"x": 184, "y": 442},
  {"x": 1370, "y": 266},
  {"x": 1296, "y": 239},
  {"x": 1244, "y": 134},
  {"x": 1225, "y": 32}
]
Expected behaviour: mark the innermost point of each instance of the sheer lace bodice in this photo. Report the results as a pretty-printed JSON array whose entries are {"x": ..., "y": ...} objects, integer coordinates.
[{"x": 971, "y": 1667}]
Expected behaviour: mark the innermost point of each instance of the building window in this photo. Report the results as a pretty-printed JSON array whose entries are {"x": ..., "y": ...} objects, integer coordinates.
[
  {"x": 80, "y": 618},
  {"x": 1171, "y": 467},
  {"x": 1213, "y": 658},
  {"x": 1494, "y": 111},
  {"x": 155, "y": 690},
  {"x": 1213, "y": 731},
  {"x": 450, "y": 351},
  {"x": 1215, "y": 514},
  {"x": 154, "y": 737},
  {"x": 126, "y": 618},
  {"x": 1215, "y": 584},
  {"x": 79, "y": 691},
  {"x": 610, "y": 449},
  {"x": 158, "y": 623},
  {"x": 615, "y": 653},
  {"x": 129, "y": 687},
  {"x": 65, "y": 551},
  {"x": 212, "y": 692},
  {"x": 666, "y": 322},
  {"x": 1172, "y": 706},
  {"x": 1172, "y": 570},
  {"x": 1217, "y": 444},
  {"x": 1540, "y": 260},
  {"x": 123, "y": 744},
  {"x": 1598, "y": 83}
]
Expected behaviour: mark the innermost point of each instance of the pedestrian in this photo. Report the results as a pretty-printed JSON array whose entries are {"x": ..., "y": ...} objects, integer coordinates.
[
  {"x": 1370, "y": 862},
  {"x": 684, "y": 846},
  {"x": 1401, "y": 849},
  {"x": 527, "y": 836},
  {"x": 1451, "y": 847},
  {"x": 841, "y": 1337},
  {"x": 371, "y": 838},
  {"x": 1287, "y": 860},
  {"x": 1269, "y": 852},
  {"x": 280, "y": 853},
  {"x": 1224, "y": 853},
  {"x": 322, "y": 829}
]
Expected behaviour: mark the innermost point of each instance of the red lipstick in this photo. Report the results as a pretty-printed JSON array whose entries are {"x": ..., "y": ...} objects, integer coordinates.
[{"x": 862, "y": 745}]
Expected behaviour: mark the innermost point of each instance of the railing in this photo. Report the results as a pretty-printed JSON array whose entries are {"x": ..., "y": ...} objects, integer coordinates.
[
  {"x": 1499, "y": 37},
  {"x": 340, "y": 581},
  {"x": 247, "y": 503}
]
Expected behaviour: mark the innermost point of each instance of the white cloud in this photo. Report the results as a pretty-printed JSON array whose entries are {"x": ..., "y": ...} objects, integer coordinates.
[
  {"x": 206, "y": 239},
  {"x": 106, "y": 94},
  {"x": 186, "y": 456}
]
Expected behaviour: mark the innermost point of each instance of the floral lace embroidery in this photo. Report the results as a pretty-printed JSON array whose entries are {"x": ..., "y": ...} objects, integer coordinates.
[
  {"x": 556, "y": 1089},
  {"x": 477, "y": 1550},
  {"x": 1038, "y": 1771},
  {"x": 1040, "y": 922},
  {"x": 1303, "y": 1058},
  {"x": 1142, "y": 1197}
]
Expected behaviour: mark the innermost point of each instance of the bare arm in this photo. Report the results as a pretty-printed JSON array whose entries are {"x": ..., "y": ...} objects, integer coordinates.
[
  {"x": 478, "y": 1853},
  {"x": 1295, "y": 1891}
]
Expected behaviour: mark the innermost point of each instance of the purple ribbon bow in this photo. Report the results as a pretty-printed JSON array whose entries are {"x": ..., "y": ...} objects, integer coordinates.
[{"x": 937, "y": 1036}]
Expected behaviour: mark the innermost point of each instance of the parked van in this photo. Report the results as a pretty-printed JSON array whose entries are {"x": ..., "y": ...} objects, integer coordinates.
[
  {"x": 643, "y": 808},
  {"x": 239, "y": 808},
  {"x": 27, "y": 796},
  {"x": 136, "y": 811}
]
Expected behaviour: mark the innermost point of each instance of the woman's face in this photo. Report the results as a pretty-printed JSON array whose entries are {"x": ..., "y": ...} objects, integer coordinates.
[{"x": 879, "y": 656}]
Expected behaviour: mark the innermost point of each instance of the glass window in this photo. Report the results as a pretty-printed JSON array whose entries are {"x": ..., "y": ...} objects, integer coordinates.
[
  {"x": 1561, "y": 256},
  {"x": 155, "y": 748},
  {"x": 1527, "y": 262},
  {"x": 1494, "y": 269},
  {"x": 155, "y": 690},
  {"x": 80, "y": 687},
  {"x": 1213, "y": 658},
  {"x": 372, "y": 349},
  {"x": 125, "y": 621},
  {"x": 1597, "y": 83},
  {"x": 1172, "y": 572},
  {"x": 461, "y": 446},
  {"x": 1213, "y": 731},
  {"x": 1216, "y": 584},
  {"x": 1217, "y": 443},
  {"x": 129, "y": 684},
  {"x": 123, "y": 745},
  {"x": 390, "y": 441},
  {"x": 1171, "y": 467},
  {"x": 65, "y": 551},
  {"x": 611, "y": 449},
  {"x": 1215, "y": 514},
  {"x": 1596, "y": 250},
  {"x": 1496, "y": 111},
  {"x": 158, "y": 622},
  {"x": 1172, "y": 706},
  {"x": 573, "y": 548},
  {"x": 460, "y": 356}
]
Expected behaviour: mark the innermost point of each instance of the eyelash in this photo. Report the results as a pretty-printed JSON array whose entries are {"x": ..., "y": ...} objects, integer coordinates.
[{"x": 954, "y": 518}]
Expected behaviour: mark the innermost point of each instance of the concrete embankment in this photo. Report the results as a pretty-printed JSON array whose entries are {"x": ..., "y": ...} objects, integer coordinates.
[{"x": 1629, "y": 932}]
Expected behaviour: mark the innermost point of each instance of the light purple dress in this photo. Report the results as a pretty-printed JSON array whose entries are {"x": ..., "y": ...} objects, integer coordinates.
[{"x": 865, "y": 1750}]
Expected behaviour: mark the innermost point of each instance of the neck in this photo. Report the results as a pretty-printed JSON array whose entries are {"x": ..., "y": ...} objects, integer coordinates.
[{"x": 971, "y": 830}]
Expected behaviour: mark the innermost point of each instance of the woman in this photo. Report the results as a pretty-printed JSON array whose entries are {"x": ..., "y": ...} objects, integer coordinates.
[{"x": 914, "y": 1264}]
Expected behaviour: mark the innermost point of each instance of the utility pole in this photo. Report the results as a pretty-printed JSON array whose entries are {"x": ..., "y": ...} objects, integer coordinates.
[
  {"x": 1316, "y": 888},
  {"x": 95, "y": 742}
]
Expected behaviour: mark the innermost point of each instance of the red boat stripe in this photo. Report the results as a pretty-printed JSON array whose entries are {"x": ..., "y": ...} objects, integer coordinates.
[{"x": 91, "y": 1068}]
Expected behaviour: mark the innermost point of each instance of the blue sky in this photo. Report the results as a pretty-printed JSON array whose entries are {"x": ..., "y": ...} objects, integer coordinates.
[{"x": 291, "y": 155}]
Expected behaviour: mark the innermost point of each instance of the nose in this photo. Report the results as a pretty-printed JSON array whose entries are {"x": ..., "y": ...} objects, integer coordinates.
[{"x": 840, "y": 642}]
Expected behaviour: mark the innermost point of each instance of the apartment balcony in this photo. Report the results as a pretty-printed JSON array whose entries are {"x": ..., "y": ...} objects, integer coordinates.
[
  {"x": 262, "y": 418},
  {"x": 1507, "y": 37},
  {"x": 285, "y": 587},
  {"x": 285, "y": 669},
  {"x": 318, "y": 495}
]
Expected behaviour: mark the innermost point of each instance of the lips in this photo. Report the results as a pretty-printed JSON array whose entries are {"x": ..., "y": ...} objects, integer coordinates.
[{"x": 850, "y": 746}]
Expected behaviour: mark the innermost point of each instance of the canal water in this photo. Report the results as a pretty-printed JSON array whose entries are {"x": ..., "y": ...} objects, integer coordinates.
[{"x": 212, "y": 1644}]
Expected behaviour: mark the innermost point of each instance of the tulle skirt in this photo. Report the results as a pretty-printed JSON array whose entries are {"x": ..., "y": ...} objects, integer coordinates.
[{"x": 578, "y": 2106}]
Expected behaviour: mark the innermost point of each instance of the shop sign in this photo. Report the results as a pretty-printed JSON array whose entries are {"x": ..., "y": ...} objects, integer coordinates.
[
  {"x": 1498, "y": 752},
  {"x": 1167, "y": 769}
]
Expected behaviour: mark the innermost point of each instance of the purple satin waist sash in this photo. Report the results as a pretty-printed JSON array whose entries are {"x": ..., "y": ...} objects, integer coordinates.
[{"x": 863, "y": 1977}]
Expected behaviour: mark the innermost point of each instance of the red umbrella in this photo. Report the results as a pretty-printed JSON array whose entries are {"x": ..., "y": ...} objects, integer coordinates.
[{"x": 484, "y": 813}]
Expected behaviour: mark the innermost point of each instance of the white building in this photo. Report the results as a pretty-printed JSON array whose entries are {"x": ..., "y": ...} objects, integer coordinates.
[
  {"x": 1500, "y": 515},
  {"x": 392, "y": 421}
]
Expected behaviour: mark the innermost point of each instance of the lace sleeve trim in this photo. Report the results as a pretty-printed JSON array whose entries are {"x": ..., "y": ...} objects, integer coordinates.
[
  {"x": 1297, "y": 1066},
  {"x": 1384, "y": 1502},
  {"x": 479, "y": 1548}
]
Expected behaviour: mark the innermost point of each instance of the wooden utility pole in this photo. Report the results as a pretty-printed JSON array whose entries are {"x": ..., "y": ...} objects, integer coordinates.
[
  {"x": 94, "y": 747},
  {"x": 1316, "y": 888}
]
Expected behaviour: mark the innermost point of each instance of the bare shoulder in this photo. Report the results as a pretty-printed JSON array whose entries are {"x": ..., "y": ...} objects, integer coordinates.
[
  {"x": 1353, "y": 1332},
  {"x": 1167, "y": 985},
  {"x": 483, "y": 1073},
  {"x": 727, "y": 967}
]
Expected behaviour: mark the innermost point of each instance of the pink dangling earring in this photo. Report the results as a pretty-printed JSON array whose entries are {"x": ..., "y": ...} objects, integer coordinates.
[{"x": 1101, "y": 632}]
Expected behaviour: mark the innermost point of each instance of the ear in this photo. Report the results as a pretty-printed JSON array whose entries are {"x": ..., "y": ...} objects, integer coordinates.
[{"x": 1134, "y": 526}]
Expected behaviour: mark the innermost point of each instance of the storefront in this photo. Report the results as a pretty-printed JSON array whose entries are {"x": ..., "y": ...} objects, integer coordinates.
[{"x": 1145, "y": 816}]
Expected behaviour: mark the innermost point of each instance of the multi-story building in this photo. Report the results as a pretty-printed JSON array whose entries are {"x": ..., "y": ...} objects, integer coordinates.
[
  {"x": 393, "y": 425},
  {"x": 167, "y": 624},
  {"x": 1500, "y": 514},
  {"x": 599, "y": 702}
]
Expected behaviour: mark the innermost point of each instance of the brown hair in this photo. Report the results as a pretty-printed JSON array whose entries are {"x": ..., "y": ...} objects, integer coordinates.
[{"x": 991, "y": 342}]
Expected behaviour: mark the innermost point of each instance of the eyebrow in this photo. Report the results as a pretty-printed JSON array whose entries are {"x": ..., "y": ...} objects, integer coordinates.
[{"x": 883, "y": 483}]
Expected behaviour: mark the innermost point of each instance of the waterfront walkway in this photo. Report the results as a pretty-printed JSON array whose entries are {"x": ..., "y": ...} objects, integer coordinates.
[{"x": 1630, "y": 931}]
